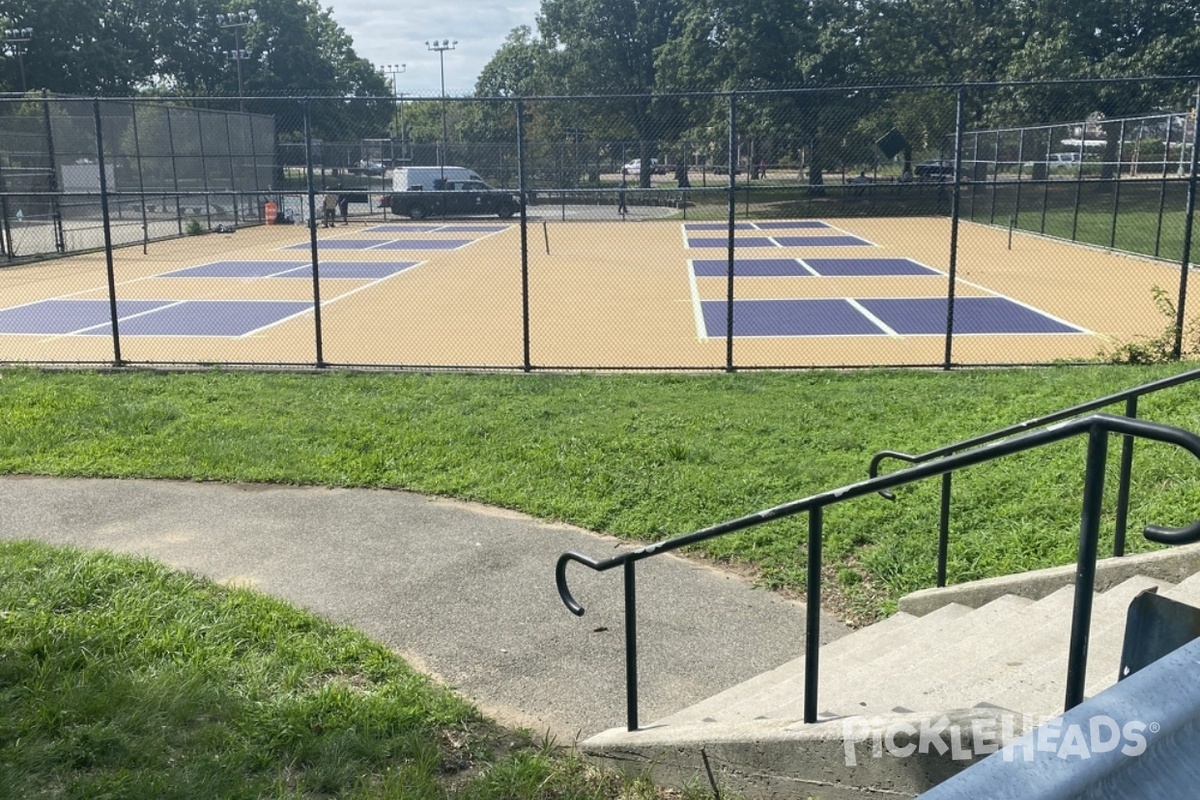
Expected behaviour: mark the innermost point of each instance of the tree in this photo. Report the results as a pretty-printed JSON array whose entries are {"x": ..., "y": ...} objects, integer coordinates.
[
  {"x": 177, "y": 47},
  {"x": 609, "y": 47}
]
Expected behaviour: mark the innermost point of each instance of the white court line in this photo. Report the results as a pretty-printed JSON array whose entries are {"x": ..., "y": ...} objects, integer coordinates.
[
  {"x": 874, "y": 319},
  {"x": 697, "y": 308}
]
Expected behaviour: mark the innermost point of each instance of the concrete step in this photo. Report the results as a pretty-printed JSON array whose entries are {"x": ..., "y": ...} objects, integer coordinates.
[
  {"x": 914, "y": 684},
  {"x": 1186, "y": 591},
  {"x": 1041, "y": 689},
  {"x": 1002, "y": 664},
  {"x": 900, "y": 644},
  {"x": 863, "y": 643},
  {"x": 875, "y": 689}
]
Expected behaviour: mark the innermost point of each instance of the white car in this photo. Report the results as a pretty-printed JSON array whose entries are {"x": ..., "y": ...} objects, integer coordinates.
[{"x": 635, "y": 167}]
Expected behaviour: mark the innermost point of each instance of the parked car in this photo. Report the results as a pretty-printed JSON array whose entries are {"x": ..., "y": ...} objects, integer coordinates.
[
  {"x": 635, "y": 167},
  {"x": 1059, "y": 161},
  {"x": 369, "y": 168},
  {"x": 934, "y": 170},
  {"x": 452, "y": 198}
]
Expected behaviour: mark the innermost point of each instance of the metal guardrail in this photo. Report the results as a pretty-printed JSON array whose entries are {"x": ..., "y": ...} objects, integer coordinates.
[
  {"x": 1128, "y": 396},
  {"x": 1097, "y": 427}
]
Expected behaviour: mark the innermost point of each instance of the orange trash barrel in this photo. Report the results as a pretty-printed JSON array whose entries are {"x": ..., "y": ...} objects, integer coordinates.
[{"x": 270, "y": 211}]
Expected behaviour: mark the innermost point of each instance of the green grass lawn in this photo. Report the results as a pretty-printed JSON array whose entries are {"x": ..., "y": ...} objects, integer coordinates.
[
  {"x": 122, "y": 679},
  {"x": 642, "y": 457}
]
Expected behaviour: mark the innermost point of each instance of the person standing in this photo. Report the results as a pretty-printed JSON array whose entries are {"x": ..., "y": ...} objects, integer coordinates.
[
  {"x": 681, "y": 177},
  {"x": 343, "y": 203},
  {"x": 329, "y": 207},
  {"x": 621, "y": 209}
]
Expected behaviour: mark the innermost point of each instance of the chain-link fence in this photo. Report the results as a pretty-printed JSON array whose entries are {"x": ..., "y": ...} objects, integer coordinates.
[{"x": 843, "y": 226}]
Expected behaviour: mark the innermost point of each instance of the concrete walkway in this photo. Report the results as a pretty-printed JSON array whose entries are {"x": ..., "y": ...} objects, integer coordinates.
[{"x": 464, "y": 592}]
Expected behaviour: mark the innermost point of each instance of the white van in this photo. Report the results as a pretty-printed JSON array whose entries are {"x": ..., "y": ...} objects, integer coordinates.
[
  {"x": 420, "y": 192},
  {"x": 1063, "y": 160},
  {"x": 421, "y": 179}
]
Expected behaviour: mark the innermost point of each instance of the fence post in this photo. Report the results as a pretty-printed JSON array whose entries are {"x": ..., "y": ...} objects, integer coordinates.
[
  {"x": 732, "y": 203},
  {"x": 107, "y": 227},
  {"x": 312, "y": 231},
  {"x": 174, "y": 169},
  {"x": 5, "y": 230},
  {"x": 137, "y": 149},
  {"x": 1177, "y": 350},
  {"x": 60, "y": 240},
  {"x": 524, "y": 236},
  {"x": 954, "y": 212}
]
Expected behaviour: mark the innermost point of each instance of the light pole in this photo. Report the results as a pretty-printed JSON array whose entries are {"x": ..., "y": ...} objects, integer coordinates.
[
  {"x": 16, "y": 40},
  {"x": 237, "y": 21},
  {"x": 394, "y": 70},
  {"x": 440, "y": 48}
]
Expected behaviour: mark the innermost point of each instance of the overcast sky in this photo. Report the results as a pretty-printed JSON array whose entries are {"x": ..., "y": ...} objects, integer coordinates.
[{"x": 395, "y": 32}]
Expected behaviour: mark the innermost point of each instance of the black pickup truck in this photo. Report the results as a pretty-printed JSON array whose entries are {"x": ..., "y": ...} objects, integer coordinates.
[{"x": 452, "y": 198}]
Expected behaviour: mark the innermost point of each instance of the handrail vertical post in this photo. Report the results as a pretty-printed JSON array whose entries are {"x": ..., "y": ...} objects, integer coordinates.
[
  {"x": 943, "y": 531},
  {"x": 812, "y": 633},
  {"x": 1123, "y": 482},
  {"x": 1085, "y": 570},
  {"x": 631, "y": 672}
]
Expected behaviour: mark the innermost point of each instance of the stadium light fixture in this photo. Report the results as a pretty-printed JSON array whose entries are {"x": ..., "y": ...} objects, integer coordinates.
[
  {"x": 16, "y": 41},
  {"x": 440, "y": 47},
  {"x": 236, "y": 21}
]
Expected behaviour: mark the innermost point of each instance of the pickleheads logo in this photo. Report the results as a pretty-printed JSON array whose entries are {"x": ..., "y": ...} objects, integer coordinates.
[{"x": 979, "y": 735}]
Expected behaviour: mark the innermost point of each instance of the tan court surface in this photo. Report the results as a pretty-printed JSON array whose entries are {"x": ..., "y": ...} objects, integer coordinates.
[{"x": 607, "y": 295}]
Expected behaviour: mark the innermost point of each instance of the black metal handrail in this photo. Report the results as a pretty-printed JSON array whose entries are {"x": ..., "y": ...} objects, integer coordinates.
[
  {"x": 1097, "y": 426},
  {"x": 1130, "y": 398}
]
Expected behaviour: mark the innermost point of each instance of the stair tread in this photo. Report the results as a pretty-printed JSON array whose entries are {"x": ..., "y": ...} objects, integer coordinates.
[
  {"x": 853, "y": 645},
  {"x": 1025, "y": 673}
]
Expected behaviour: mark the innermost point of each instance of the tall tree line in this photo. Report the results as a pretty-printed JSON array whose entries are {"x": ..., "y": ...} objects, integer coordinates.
[
  {"x": 179, "y": 48},
  {"x": 638, "y": 52}
]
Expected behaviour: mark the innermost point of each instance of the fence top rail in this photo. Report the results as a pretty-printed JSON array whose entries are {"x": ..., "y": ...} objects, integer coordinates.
[
  {"x": 1036, "y": 422},
  {"x": 782, "y": 90},
  {"x": 1106, "y": 423}
]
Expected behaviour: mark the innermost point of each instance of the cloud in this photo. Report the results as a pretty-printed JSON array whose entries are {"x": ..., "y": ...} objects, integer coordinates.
[{"x": 388, "y": 32}]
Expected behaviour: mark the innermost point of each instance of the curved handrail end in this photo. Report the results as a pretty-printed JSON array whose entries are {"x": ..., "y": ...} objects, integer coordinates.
[
  {"x": 873, "y": 469},
  {"x": 560, "y": 579},
  {"x": 1188, "y": 534}
]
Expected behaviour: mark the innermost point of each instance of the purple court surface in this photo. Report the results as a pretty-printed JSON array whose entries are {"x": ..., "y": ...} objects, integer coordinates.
[
  {"x": 904, "y": 316},
  {"x": 236, "y": 269},
  {"x": 831, "y": 317},
  {"x": 741, "y": 241},
  {"x": 927, "y": 315},
  {"x": 362, "y": 270},
  {"x": 440, "y": 228},
  {"x": 401, "y": 228},
  {"x": 780, "y": 241},
  {"x": 822, "y": 241},
  {"x": 52, "y": 317},
  {"x": 809, "y": 267},
  {"x": 750, "y": 268},
  {"x": 854, "y": 267},
  {"x": 425, "y": 244},
  {"x": 773, "y": 225},
  {"x": 366, "y": 270},
  {"x": 148, "y": 317},
  {"x": 717, "y": 226},
  {"x": 384, "y": 244},
  {"x": 779, "y": 225}
]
